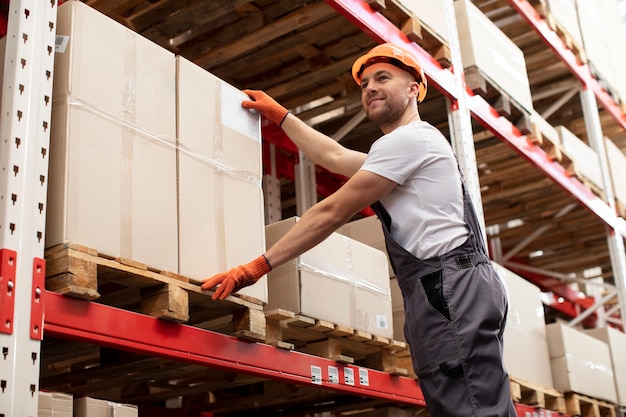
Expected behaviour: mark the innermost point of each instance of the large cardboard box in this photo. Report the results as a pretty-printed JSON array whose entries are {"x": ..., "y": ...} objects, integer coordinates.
[
  {"x": 526, "y": 354},
  {"x": 585, "y": 162},
  {"x": 602, "y": 29},
  {"x": 340, "y": 280},
  {"x": 486, "y": 47},
  {"x": 564, "y": 15},
  {"x": 616, "y": 340},
  {"x": 367, "y": 230},
  {"x": 112, "y": 172},
  {"x": 92, "y": 407},
  {"x": 221, "y": 212},
  {"x": 54, "y": 404},
  {"x": 580, "y": 363}
]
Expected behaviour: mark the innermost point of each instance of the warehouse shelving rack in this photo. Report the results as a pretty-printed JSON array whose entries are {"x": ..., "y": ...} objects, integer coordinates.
[{"x": 23, "y": 155}]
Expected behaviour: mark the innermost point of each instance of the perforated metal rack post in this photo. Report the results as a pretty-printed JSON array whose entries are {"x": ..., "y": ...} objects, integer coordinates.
[{"x": 24, "y": 140}]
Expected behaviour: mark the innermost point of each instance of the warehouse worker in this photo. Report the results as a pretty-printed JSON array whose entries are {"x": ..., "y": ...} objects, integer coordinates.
[{"x": 454, "y": 301}]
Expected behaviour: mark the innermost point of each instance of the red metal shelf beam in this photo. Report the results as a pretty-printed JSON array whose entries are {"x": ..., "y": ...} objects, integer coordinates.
[{"x": 90, "y": 322}]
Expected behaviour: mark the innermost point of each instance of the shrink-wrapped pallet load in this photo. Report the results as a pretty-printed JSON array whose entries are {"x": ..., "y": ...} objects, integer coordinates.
[
  {"x": 112, "y": 172},
  {"x": 341, "y": 281},
  {"x": 219, "y": 178},
  {"x": 580, "y": 363}
]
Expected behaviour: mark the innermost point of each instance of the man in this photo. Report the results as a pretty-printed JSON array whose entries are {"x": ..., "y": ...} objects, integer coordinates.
[{"x": 454, "y": 301}]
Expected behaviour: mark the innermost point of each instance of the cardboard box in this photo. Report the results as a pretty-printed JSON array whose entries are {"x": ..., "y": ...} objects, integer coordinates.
[
  {"x": 602, "y": 28},
  {"x": 112, "y": 172},
  {"x": 526, "y": 354},
  {"x": 340, "y": 280},
  {"x": 92, "y": 407},
  {"x": 54, "y": 404},
  {"x": 564, "y": 15},
  {"x": 485, "y": 46},
  {"x": 580, "y": 363},
  {"x": 616, "y": 340},
  {"x": 221, "y": 212},
  {"x": 367, "y": 230},
  {"x": 585, "y": 161}
]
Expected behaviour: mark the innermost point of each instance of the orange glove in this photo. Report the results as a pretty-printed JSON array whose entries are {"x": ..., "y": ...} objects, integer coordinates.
[
  {"x": 237, "y": 278},
  {"x": 266, "y": 105}
]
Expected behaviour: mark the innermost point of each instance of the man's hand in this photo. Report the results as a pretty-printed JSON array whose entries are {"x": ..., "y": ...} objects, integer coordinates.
[
  {"x": 237, "y": 278},
  {"x": 266, "y": 105}
]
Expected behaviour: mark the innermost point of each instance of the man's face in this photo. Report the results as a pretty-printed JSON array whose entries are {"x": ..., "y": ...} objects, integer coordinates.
[{"x": 386, "y": 91}]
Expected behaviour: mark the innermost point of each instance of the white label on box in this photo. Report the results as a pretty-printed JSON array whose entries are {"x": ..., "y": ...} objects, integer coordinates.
[
  {"x": 246, "y": 122},
  {"x": 348, "y": 376},
  {"x": 381, "y": 321},
  {"x": 316, "y": 375},
  {"x": 60, "y": 43},
  {"x": 364, "y": 377},
  {"x": 333, "y": 375}
]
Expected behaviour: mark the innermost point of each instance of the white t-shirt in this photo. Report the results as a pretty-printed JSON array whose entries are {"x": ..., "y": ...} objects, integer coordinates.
[{"x": 426, "y": 207}]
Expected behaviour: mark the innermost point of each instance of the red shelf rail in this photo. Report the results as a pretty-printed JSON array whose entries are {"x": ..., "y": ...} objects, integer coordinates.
[{"x": 90, "y": 322}]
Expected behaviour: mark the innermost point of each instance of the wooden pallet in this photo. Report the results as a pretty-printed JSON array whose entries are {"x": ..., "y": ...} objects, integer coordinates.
[
  {"x": 343, "y": 344},
  {"x": 534, "y": 395},
  {"x": 480, "y": 84},
  {"x": 581, "y": 405},
  {"x": 551, "y": 147},
  {"x": 415, "y": 29},
  {"x": 82, "y": 272}
]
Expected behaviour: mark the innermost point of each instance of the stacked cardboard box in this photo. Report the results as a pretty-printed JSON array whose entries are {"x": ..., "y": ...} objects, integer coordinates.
[
  {"x": 54, "y": 404},
  {"x": 486, "y": 47},
  {"x": 583, "y": 161},
  {"x": 341, "y": 280},
  {"x": 367, "y": 230},
  {"x": 92, "y": 407},
  {"x": 616, "y": 340},
  {"x": 602, "y": 28},
  {"x": 526, "y": 354},
  {"x": 580, "y": 363},
  {"x": 563, "y": 16},
  {"x": 112, "y": 181},
  {"x": 221, "y": 215},
  {"x": 152, "y": 158}
]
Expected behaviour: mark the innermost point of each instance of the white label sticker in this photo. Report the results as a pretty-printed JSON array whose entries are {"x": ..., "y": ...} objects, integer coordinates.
[
  {"x": 333, "y": 375},
  {"x": 316, "y": 375},
  {"x": 348, "y": 376},
  {"x": 364, "y": 377},
  {"x": 246, "y": 122},
  {"x": 381, "y": 321},
  {"x": 60, "y": 43}
]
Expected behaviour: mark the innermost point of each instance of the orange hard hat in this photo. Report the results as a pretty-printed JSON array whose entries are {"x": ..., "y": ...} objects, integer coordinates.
[{"x": 393, "y": 54}]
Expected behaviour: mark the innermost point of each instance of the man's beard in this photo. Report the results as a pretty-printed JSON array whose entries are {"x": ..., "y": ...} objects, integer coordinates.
[{"x": 388, "y": 115}]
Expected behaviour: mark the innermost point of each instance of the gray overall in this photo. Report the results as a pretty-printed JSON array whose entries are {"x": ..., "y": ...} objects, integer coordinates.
[{"x": 455, "y": 308}]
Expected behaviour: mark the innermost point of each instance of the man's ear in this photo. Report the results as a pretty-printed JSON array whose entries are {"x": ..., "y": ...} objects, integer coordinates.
[{"x": 414, "y": 89}]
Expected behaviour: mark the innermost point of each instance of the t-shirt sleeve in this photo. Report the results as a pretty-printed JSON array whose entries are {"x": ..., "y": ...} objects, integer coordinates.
[{"x": 396, "y": 155}]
